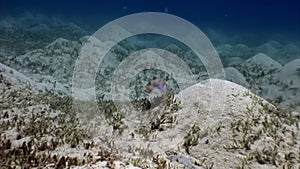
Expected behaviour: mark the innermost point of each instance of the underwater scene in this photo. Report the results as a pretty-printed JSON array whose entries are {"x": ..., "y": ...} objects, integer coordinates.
[{"x": 161, "y": 84}]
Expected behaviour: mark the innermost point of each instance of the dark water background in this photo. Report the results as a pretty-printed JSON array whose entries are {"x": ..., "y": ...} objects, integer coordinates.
[{"x": 255, "y": 21}]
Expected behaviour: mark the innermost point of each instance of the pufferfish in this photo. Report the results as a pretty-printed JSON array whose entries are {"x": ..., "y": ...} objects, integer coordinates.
[
  {"x": 157, "y": 89},
  {"x": 157, "y": 86}
]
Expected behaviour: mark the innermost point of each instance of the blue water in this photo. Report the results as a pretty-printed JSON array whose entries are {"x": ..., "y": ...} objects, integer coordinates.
[{"x": 261, "y": 20}]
